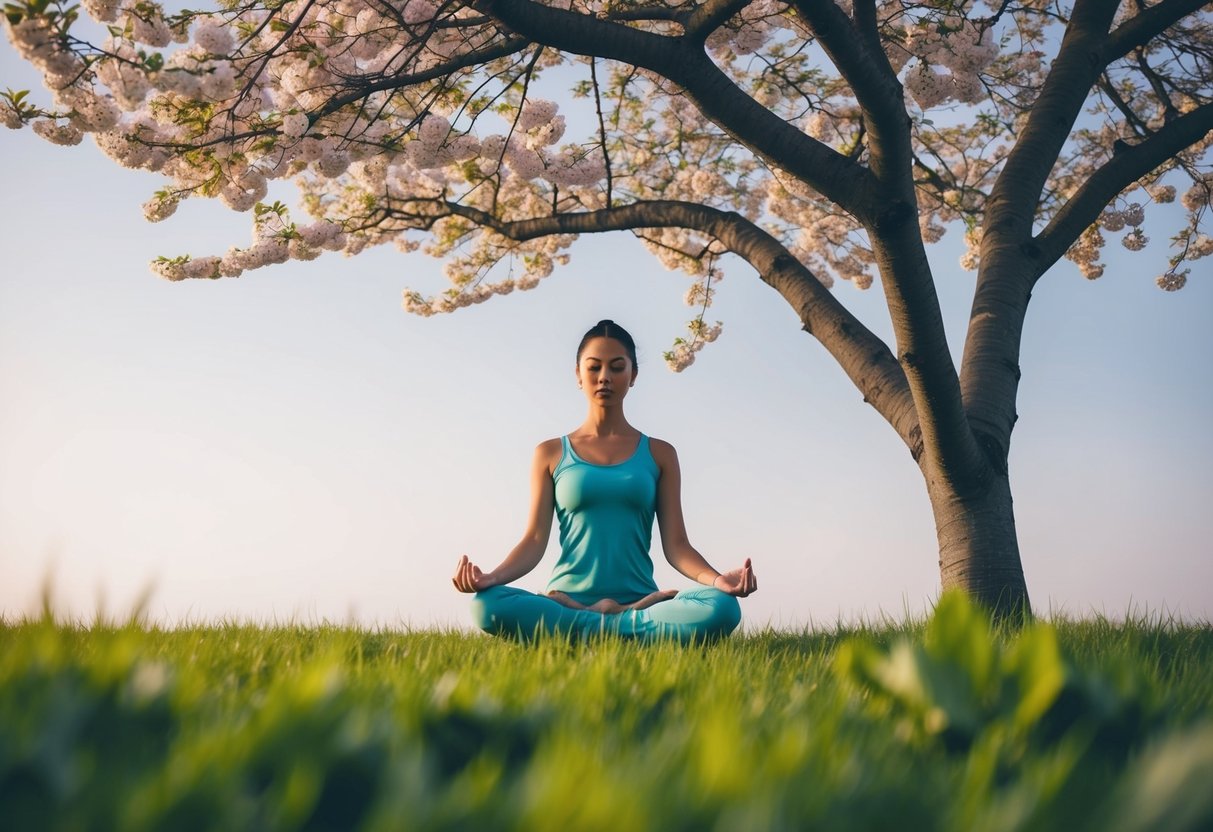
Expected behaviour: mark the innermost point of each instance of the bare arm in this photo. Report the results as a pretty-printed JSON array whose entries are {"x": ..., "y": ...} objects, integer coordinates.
[
  {"x": 674, "y": 541},
  {"x": 526, "y": 555}
]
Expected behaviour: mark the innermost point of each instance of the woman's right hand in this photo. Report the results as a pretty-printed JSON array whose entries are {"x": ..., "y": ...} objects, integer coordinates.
[{"x": 469, "y": 577}]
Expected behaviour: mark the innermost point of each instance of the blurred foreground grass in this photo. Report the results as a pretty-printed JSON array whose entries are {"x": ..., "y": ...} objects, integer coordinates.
[{"x": 944, "y": 724}]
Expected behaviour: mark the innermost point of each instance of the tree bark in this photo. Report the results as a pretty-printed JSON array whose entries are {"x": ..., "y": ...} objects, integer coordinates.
[{"x": 978, "y": 547}]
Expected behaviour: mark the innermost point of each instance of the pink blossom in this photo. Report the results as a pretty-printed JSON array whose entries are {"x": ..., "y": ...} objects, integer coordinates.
[
  {"x": 535, "y": 113},
  {"x": 418, "y": 11},
  {"x": 104, "y": 11},
  {"x": 433, "y": 131},
  {"x": 1162, "y": 194},
  {"x": 214, "y": 37},
  {"x": 1173, "y": 281},
  {"x": 1135, "y": 240},
  {"x": 62, "y": 134},
  {"x": 294, "y": 125}
]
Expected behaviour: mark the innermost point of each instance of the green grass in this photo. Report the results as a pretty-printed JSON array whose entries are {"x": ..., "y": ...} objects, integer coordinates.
[{"x": 944, "y": 724}]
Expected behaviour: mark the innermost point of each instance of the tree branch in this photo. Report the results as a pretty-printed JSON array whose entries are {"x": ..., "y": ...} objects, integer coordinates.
[
  {"x": 1131, "y": 117},
  {"x": 507, "y": 46},
  {"x": 708, "y": 17},
  {"x": 1123, "y": 169},
  {"x": 865, "y": 359},
  {"x": 1144, "y": 27},
  {"x": 922, "y": 346},
  {"x": 989, "y": 375},
  {"x": 870, "y": 77},
  {"x": 681, "y": 60},
  {"x": 1011, "y": 208},
  {"x": 1156, "y": 84}
]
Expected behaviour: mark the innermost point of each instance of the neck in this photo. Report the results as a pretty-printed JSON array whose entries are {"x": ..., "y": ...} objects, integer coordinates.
[{"x": 606, "y": 421}]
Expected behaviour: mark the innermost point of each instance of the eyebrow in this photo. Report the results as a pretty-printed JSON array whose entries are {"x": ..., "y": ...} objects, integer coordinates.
[{"x": 612, "y": 360}]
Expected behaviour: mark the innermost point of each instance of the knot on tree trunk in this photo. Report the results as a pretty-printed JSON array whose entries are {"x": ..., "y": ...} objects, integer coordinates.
[
  {"x": 994, "y": 451},
  {"x": 895, "y": 214}
]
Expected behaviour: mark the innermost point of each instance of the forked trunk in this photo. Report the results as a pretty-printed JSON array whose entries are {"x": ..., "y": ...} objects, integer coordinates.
[{"x": 978, "y": 549}]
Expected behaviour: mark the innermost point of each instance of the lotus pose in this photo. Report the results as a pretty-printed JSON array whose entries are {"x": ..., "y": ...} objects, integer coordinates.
[{"x": 605, "y": 481}]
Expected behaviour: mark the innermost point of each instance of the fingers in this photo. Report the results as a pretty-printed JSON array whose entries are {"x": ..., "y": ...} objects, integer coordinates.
[
  {"x": 748, "y": 582},
  {"x": 466, "y": 574}
]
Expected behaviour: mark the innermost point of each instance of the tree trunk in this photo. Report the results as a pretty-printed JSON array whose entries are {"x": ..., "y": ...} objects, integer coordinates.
[{"x": 978, "y": 549}]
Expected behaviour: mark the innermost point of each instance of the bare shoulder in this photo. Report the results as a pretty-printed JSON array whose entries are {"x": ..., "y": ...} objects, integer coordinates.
[
  {"x": 663, "y": 452},
  {"x": 548, "y": 452}
]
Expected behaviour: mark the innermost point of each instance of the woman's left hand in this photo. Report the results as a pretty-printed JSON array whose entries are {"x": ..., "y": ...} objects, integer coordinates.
[{"x": 740, "y": 582}]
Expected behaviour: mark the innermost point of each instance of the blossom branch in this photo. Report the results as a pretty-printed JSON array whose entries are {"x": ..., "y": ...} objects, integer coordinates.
[
  {"x": 683, "y": 61},
  {"x": 897, "y": 244},
  {"x": 1123, "y": 169},
  {"x": 1016, "y": 192},
  {"x": 872, "y": 80},
  {"x": 468, "y": 60},
  {"x": 1156, "y": 83},
  {"x": 602, "y": 132},
  {"x": 866, "y": 359}
]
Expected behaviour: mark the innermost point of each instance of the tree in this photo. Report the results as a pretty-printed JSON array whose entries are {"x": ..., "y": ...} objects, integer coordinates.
[{"x": 781, "y": 133}]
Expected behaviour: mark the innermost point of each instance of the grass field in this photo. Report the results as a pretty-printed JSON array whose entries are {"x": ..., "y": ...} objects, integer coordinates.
[{"x": 942, "y": 724}]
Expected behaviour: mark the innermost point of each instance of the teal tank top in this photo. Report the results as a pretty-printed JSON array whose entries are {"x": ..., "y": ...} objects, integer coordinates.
[{"x": 606, "y": 526}]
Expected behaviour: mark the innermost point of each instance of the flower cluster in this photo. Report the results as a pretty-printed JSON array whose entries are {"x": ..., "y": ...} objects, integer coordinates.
[
  {"x": 1085, "y": 252},
  {"x": 949, "y": 62},
  {"x": 395, "y": 130},
  {"x": 683, "y": 354}
]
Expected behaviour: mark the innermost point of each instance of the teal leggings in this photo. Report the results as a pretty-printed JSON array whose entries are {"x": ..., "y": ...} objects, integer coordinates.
[{"x": 692, "y": 615}]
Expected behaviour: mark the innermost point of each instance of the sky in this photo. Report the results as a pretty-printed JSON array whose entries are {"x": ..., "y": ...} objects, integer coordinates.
[{"x": 293, "y": 446}]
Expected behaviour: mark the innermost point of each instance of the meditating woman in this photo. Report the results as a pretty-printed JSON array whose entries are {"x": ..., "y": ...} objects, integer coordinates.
[{"x": 605, "y": 481}]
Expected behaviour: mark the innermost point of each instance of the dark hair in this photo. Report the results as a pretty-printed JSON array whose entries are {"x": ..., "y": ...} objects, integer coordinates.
[{"x": 609, "y": 329}]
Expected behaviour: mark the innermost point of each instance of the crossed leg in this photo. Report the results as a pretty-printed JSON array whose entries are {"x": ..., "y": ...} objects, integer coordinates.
[{"x": 700, "y": 614}]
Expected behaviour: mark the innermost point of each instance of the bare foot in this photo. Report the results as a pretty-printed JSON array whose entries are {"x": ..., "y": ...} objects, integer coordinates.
[
  {"x": 653, "y": 598},
  {"x": 561, "y": 598},
  {"x": 609, "y": 606}
]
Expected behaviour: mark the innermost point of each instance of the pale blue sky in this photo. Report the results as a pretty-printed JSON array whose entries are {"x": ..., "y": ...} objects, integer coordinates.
[{"x": 293, "y": 444}]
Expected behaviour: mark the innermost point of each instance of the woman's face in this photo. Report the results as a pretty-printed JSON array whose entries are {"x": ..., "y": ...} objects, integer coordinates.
[{"x": 604, "y": 371}]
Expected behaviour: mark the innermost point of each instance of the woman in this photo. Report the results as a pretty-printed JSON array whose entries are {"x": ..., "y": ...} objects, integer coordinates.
[{"x": 605, "y": 481}]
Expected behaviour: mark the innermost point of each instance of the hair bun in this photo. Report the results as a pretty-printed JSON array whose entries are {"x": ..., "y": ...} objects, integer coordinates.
[{"x": 606, "y": 328}]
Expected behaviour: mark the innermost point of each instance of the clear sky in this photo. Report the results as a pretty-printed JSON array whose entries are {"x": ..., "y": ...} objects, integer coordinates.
[{"x": 292, "y": 445}]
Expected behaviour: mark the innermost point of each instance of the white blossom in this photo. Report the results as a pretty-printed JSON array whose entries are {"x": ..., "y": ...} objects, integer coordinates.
[
  {"x": 294, "y": 125},
  {"x": 1173, "y": 281},
  {"x": 160, "y": 207},
  {"x": 148, "y": 25},
  {"x": 535, "y": 113},
  {"x": 214, "y": 36},
  {"x": 104, "y": 11},
  {"x": 1162, "y": 194},
  {"x": 1135, "y": 240},
  {"x": 1112, "y": 220},
  {"x": 62, "y": 134}
]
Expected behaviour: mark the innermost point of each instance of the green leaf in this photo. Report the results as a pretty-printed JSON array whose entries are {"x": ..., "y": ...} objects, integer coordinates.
[
  {"x": 1036, "y": 663},
  {"x": 1167, "y": 787},
  {"x": 959, "y": 633}
]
